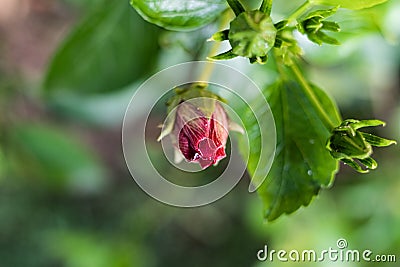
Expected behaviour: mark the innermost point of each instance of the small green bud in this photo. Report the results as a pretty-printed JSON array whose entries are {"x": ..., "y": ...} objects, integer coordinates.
[
  {"x": 314, "y": 26},
  {"x": 252, "y": 34},
  {"x": 348, "y": 144}
]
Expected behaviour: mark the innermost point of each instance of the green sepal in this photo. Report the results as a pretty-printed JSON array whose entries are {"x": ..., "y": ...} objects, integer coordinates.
[
  {"x": 281, "y": 25},
  {"x": 259, "y": 60},
  {"x": 348, "y": 144},
  {"x": 266, "y": 7},
  {"x": 192, "y": 91},
  {"x": 344, "y": 144},
  {"x": 366, "y": 123},
  {"x": 369, "y": 162},
  {"x": 224, "y": 56},
  {"x": 278, "y": 43},
  {"x": 326, "y": 38},
  {"x": 354, "y": 165},
  {"x": 378, "y": 141},
  {"x": 220, "y": 36},
  {"x": 320, "y": 38},
  {"x": 330, "y": 26},
  {"x": 322, "y": 14},
  {"x": 313, "y": 38},
  {"x": 313, "y": 26}
]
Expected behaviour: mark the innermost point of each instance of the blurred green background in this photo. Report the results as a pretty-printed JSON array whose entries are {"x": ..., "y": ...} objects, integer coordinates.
[{"x": 67, "y": 71}]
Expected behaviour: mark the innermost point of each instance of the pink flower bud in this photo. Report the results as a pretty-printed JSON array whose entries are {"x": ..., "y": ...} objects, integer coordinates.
[{"x": 201, "y": 138}]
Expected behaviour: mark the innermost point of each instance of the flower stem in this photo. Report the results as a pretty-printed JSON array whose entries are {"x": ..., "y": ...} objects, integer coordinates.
[
  {"x": 236, "y": 6},
  {"x": 312, "y": 97},
  {"x": 266, "y": 6},
  {"x": 299, "y": 11},
  {"x": 207, "y": 71}
]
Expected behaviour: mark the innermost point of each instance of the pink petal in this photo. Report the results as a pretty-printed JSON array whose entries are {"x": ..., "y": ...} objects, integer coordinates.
[
  {"x": 201, "y": 139},
  {"x": 220, "y": 154},
  {"x": 219, "y": 126},
  {"x": 192, "y": 122},
  {"x": 184, "y": 146},
  {"x": 207, "y": 148},
  {"x": 205, "y": 163}
]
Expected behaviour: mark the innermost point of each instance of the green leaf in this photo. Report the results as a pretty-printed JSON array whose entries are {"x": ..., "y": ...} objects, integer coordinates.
[
  {"x": 82, "y": 4},
  {"x": 180, "y": 15},
  {"x": 302, "y": 164},
  {"x": 350, "y": 4},
  {"x": 56, "y": 159},
  {"x": 108, "y": 50},
  {"x": 3, "y": 163}
]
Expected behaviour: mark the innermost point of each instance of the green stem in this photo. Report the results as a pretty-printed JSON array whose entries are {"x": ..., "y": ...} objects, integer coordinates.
[
  {"x": 266, "y": 6},
  {"x": 299, "y": 11},
  {"x": 236, "y": 6},
  {"x": 207, "y": 72},
  {"x": 312, "y": 97}
]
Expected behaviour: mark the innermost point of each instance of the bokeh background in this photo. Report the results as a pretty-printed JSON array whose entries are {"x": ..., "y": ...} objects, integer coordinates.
[{"x": 67, "y": 71}]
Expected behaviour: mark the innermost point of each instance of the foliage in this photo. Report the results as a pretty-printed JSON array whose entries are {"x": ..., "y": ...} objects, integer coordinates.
[
  {"x": 356, "y": 4},
  {"x": 301, "y": 110},
  {"x": 302, "y": 165},
  {"x": 178, "y": 15},
  {"x": 67, "y": 199},
  {"x": 105, "y": 44}
]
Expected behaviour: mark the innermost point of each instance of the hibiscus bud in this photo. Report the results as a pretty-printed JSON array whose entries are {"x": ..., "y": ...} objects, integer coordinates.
[
  {"x": 198, "y": 127},
  {"x": 348, "y": 144},
  {"x": 314, "y": 26},
  {"x": 200, "y": 138}
]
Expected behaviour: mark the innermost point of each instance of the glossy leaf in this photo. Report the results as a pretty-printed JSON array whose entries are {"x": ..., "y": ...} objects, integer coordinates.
[
  {"x": 108, "y": 50},
  {"x": 302, "y": 165},
  {"x": 350, "y": 4},
  {"x": 180, "y": 15}
]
